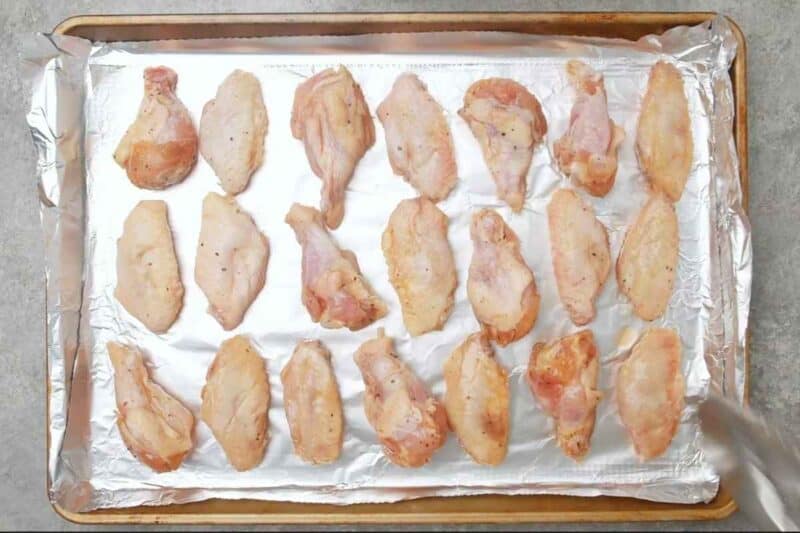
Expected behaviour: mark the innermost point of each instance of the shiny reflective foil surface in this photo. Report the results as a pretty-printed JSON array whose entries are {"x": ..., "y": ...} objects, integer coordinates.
[{"x": 85, "y": 95}]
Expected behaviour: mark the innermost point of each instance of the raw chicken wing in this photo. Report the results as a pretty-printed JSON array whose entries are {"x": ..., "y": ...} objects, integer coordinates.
[
  {"x": 650, "y": 392},
  {"x": 563, "y": 378},
  {"x": 236, "y": 401},
  {"x": 418, "y": 138},
  {"x": 312, "y": 402},
  {"x": 421, "y": 265},
  {"x": 588, "y": 150},
  {"x": 160, "y": 147},
  {"x": 148, "y": 280},
  {"x": 649, "y": 257},
  {"x": 231, "y": 264},
  {"x": 332, "y": 119},
  {"x": 334, "y": 291},
  {"x": 410, "y": 422},
  {"x": 581, "y": 255},
  {"x": 501, "y": 287},
  {"x": 232, "y": 130},
  {"x": 156, "y": 427},
  {"x": 477, "y": 400},
  {"x": 508, "y": 123},
  {"x": 664, "y": 138}
]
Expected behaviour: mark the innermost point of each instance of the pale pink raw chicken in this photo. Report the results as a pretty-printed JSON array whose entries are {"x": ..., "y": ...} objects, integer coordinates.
[
  {"x": 332, "y": 119},
  {"x": 334, "y": 290},
  {"x": 160, "y": 147},
  {"x": 588, "y": 150},
  {"x": 563, "y": 377},
  {"x": 410, "y": 422}
]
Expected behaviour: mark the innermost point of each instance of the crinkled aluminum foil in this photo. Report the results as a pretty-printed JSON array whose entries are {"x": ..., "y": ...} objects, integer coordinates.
[{"x": 85, "y": 95}]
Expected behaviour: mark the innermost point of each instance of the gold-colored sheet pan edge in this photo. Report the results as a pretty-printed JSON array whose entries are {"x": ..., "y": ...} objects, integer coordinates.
[{"x": 465, "y": 509}]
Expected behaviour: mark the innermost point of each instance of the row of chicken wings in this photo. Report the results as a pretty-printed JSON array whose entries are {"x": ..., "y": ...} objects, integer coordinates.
[{"x": 332, "y": 119}]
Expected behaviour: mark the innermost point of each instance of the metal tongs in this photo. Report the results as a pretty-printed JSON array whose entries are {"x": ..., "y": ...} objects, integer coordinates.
[{"x": 754, "y": 462}]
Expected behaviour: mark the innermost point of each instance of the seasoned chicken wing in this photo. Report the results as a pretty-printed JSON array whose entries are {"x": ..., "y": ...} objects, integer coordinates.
[
  {"x": 650, "y": 392},
  {"x": 312, "y": 402},
  {"x": 477, "y": 399},
  {"x": 148, "y": 280},
  {"x": 160, "y": 147},
  {"x": 588, "y": 150},
  {"x": 156, "y": 427},
  {"x": 418, "y": 138},
  {"x": 508, "y": 123},
  {"x": 332, "y": 119},
  {"x": 648, "y": 259},
  {"x": 232, "y": 130},
  {"x": 236, "y": 401},
  {"x": 410, "y": 422},
  {"x": 664, "y": 137},
  {"x": 231, "y": 265},
  {"x": 500, "y": 286},
  {"x": 563, "y": 377},
  {"x": 581, "y": 255},
  {"x": 421, "y": 265},
  {"x": 334, "y": 290}
]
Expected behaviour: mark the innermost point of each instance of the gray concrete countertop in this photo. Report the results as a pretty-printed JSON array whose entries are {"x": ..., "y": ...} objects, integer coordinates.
[{"x": 772, "y": 30}]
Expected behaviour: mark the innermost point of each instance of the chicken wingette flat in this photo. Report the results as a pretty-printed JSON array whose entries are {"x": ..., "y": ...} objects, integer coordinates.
[
  {"x": 418, "y": 138},
  {"x": 664, "y": 143},
  {"x": 231, "y": 264},
  {"x": 148, "y": 278},
  {"x": 236, "y": 401},
  {"x": 421, "y": 265},
  {"x": 156, "y": 427},
  {"x": 312, "y": 403},
  {"x": 580, "y": 252},
  {"x": 160, "y": 148},
  {"x": 477, "y": 399},
  {"x": 650, "y": 391},
  {"x": 500, "y": 286},
  {"x": 232, "y": 130},
  {"x": 647, "y": 263}
]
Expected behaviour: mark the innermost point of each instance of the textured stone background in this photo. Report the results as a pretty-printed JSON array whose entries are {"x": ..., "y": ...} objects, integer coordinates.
[{"x": 771, "y": 29}]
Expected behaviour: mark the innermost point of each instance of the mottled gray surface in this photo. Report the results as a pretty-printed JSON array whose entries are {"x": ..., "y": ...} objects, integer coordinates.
[{"x": 771, "y": 29}]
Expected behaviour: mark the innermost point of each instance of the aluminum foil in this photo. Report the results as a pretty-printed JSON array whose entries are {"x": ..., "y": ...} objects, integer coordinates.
[{"x": 84, "y": 96}]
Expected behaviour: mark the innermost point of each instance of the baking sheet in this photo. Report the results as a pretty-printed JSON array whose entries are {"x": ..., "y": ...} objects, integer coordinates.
[{"x": 90, "y": 467}]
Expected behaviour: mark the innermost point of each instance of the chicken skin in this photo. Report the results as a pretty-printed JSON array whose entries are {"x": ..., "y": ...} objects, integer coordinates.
[
  {"x": 148, "y": 280},
  {"x": 160, "y": 147},
  {"x": 500, "y": 286},
  {"x": 334, "y": 290},
  {"x": 236, "y": 401},
  {"x": 563, "y": 377},
  {"x": 156, "y": 427},
  {"x": 477, "y": 400},
  {"x": 588, "y": 150},
  {"x": 421, "y": 264},
  {"x": 418, "y": 138},
  {"x": 232, "y": 256},
  {"x": 332, "y": 119},
  {"x": 650, "y": 392},
  {"x": 312, "y": 402},
  {"x": 232, "y": 130},
  {"x": 410, "y": 422},
  {"x": 581, "y": 254},
  {"x": 508, "y": 123},
  {"x": 664, "y": 142},
  {"x": 649, "y": 257}
]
